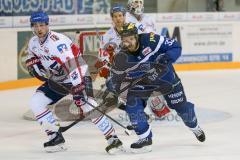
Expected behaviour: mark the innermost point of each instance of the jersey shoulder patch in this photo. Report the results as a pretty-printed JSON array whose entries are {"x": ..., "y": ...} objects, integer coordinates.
[
  {"x": 54, "y": 37},
  {"x": 146, "y": 51}
]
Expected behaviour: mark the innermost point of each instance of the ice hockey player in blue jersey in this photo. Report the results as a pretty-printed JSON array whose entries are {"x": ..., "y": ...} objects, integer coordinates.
[{"x": 140, "y": 55}]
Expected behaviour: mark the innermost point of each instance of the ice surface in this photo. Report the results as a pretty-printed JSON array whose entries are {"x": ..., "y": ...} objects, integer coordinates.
[{"x": 215, "y": 94}]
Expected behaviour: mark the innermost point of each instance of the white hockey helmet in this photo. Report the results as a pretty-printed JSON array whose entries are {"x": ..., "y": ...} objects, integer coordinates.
[{"x": 136, "y": 6}]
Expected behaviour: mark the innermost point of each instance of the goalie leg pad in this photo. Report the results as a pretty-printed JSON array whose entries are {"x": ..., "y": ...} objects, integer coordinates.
[{"x": 158, "y": 106}]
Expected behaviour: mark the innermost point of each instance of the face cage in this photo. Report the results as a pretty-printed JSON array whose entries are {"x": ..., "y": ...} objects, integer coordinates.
[{"x": 137, "y": 10}]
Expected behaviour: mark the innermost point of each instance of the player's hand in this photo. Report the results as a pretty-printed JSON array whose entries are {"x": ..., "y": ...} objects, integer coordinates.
[
  {"x": 103, "y": 68},
  {"x": 100, "y": 64},
  {"x": 110, "y": 49},
  {"x": 104, "y": 72},
  {"x": 36, "y": 69},
  {"x": 78, "y": 95},
  {"x": 163, "y": 59}
]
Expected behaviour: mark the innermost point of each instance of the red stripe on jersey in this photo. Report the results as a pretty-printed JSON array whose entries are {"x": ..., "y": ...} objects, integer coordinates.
[
  {"x": 61, "y": 63},
  {"x": 73, "y": 46},
  {"x": 75, "y": 50}
]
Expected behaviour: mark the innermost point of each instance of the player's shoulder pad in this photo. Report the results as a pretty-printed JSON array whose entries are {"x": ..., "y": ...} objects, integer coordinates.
[
  {"x": 60, "y": 42},
  {"x": 32, "y": 42},
  {"x": 108, "y": 34},
  {"x": 109, "y": 31},
  {"x": 55, "y": 37},
  {"x": 149, "y": 39}
]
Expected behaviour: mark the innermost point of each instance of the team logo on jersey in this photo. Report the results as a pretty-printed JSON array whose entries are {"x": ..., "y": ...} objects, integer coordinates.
[
  {"x": 46, "y": 50},
  {"x": 62, "y": 48},
  {"x": 152, "y": 37},
  {"x": 140, "y": 27},
  {"x": 45, "y": 58},
  {"x": 74, "y": 75},
  {"x": 146, "y": 51}
]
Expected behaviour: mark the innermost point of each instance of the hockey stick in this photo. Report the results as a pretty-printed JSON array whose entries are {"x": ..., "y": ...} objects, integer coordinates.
[{"x": 65, "y": 128}]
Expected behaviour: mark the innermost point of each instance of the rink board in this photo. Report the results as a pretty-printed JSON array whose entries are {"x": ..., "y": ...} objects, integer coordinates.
[{"x": 179, "y": 67}]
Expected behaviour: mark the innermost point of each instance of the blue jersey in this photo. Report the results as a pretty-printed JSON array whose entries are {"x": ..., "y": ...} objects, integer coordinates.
[
  {"x": 148, "y": 70},
  {"x": 153, "y": 49}
]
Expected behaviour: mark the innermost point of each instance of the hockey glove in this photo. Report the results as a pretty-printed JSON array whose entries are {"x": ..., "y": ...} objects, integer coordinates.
[
  {"x": 103, "y": 68},
  {"x": 36, "y": 69},
  {"x": 104, "y": 72},
  {"x": 163, "y": 59},
  {"x": 78, "y": 95},
  {"x": 77, "y": 90},
  {"x": 80, "y": 98}
]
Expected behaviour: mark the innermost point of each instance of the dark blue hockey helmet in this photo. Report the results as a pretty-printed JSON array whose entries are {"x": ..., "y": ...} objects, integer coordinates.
[
  {"x": 39, "y": 17},
  {"x": 117, "y": 8}
]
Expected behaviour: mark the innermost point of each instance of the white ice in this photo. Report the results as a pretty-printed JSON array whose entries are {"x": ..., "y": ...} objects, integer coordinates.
[{"x": 215, "y": 94}]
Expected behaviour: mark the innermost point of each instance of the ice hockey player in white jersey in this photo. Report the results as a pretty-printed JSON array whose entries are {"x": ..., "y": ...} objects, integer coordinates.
[
  {"x": 48, "y": 51},
  {"x": 135, "y": 15},
  {"x": 111, "y": 44}
]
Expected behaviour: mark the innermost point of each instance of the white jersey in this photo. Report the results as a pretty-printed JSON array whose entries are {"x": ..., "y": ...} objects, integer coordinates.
[
  {"x": 55, "y": 51},
  {"x": 111, "y": 37},
  {"x": 146, "y": 24}
]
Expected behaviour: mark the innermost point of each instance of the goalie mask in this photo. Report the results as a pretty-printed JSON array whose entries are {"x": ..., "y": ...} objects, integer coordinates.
[{"x": 135, "y": 7}]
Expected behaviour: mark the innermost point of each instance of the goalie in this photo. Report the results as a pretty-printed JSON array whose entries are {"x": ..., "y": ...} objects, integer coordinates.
[{"x": 53, "y": 54}]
